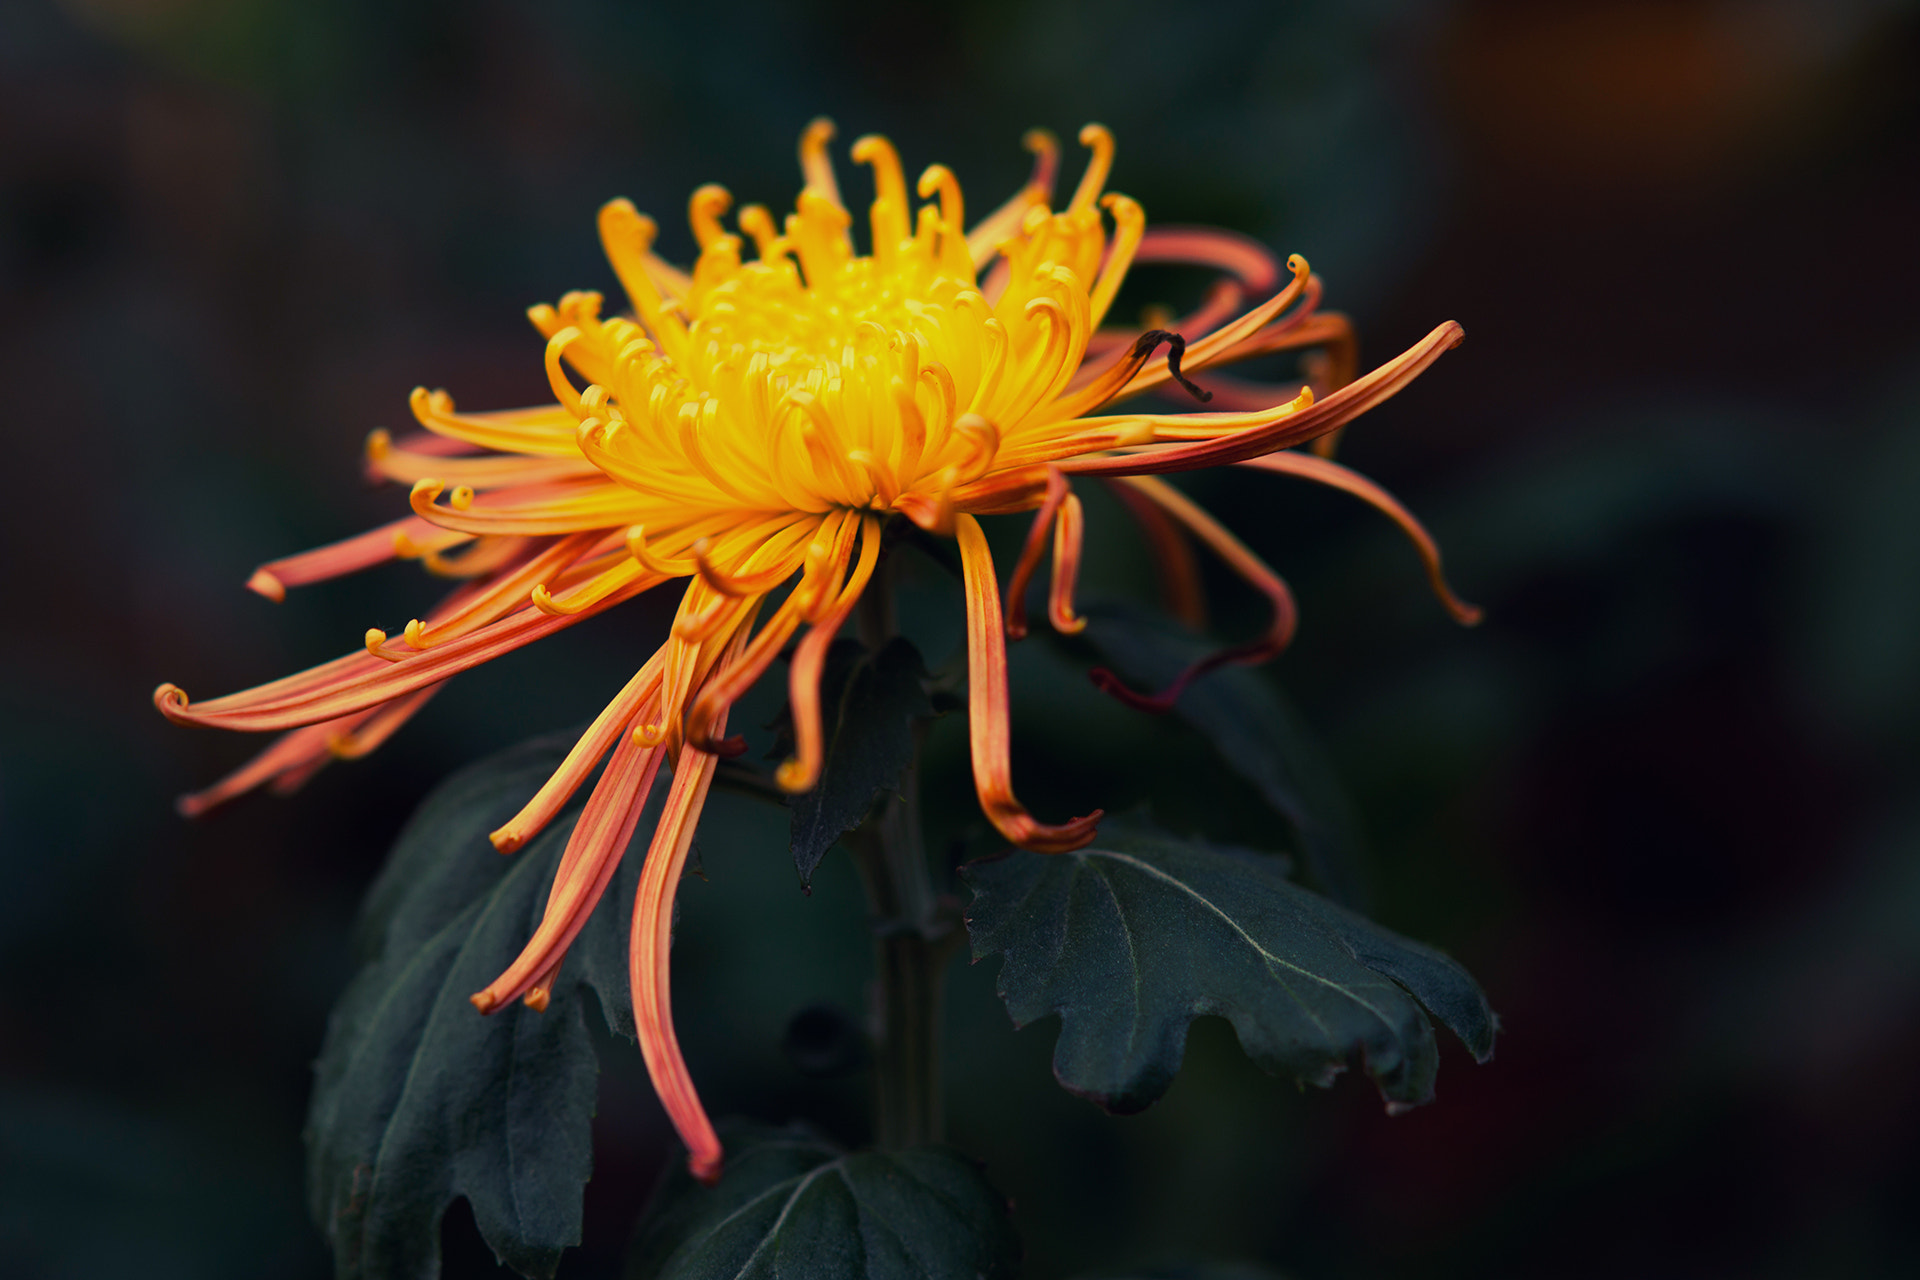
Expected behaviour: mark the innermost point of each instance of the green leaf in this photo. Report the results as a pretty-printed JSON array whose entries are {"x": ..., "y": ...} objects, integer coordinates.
[
  {"x": 1257, "y": 733},
  {"x": 868, "y": 703},
  {"x": 418, "y": 1098},
  {"x": 1131, "y": 941},
  {"x": 794, "y": 1206}
]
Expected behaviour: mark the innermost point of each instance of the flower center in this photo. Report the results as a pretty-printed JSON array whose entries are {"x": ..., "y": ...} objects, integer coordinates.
[{"x": 811, "y": 378}]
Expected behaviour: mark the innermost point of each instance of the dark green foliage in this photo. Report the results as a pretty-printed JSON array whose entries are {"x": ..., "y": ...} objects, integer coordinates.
[
  {"x": 868, "y": 703},
  {"x": 420, "y": 1099},
  {"x": 1130, "y": 941},
  {"x": 1258, "y": 734},
  {"x": 794, "y": 1206}
]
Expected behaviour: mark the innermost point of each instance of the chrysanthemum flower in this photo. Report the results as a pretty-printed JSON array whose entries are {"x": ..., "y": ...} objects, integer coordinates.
[{"x": 747, "y": 432}]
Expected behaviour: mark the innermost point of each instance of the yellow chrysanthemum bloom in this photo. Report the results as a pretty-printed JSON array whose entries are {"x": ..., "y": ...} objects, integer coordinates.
[{"x": 747, "y": 432}]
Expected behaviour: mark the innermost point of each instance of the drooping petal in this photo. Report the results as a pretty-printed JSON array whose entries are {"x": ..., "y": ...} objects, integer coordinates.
[
  {"x": 1068, "y": 532},
  {"x": 291, "y": 751},
  {"x": 1029, "y": 561},
  {"x": 607, "y": 727},
  {"x": 599, "y": 838},
  {"x": 648, "y": 967},
  {"x": 987, "y": 710},
  {"x": 802, "y": 770},
  {"x": 1309, "y": 467},
  {"x": 1279, "y": 632}
]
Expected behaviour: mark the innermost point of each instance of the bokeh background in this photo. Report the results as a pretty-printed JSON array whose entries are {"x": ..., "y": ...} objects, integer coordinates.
[{"x": 1661, "y": 803}]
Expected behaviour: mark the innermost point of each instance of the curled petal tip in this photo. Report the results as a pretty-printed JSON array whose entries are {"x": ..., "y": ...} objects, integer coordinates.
[
  {"x": 794, "y": 777},
  {"x": 265, "y": 584},
  {"x": 171, "y": 701},
  {"x": 619, "y": 217}
]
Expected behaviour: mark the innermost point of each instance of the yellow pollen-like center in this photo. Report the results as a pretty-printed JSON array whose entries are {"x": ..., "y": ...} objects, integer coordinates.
[{"x": 810, "y": 378}]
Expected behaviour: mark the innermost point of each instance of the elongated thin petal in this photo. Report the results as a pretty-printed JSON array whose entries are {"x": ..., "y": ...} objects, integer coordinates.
[
  {"x": 1249, "y": 261},
  {"x": 369, "y": 734},
  {"x": 648, "y": 965},
  {"x": 390, "y": 461},
  {"x": 350, "y": 555},
  {"x": 359, "y": 681},
  {"x": 1068, "y": 532},
  {"x": 1283, "y": 430},
  {"x": 1268, "y": 644},
  {"x": 607, "y": 727},
  {"x": 602, "y": 834},
  {"x": 1309, "y": 467},
  {"x": 1029, "y": 561},
  {"x": 987, "y": 710},
  {"x": 803, "y": 675},
  {"x": 986, "y": 237},
  {"x": 289, "y": 752}
]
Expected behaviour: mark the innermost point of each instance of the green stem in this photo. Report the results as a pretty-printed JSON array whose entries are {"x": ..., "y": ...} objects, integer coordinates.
[{"x": 913, "y": 937}]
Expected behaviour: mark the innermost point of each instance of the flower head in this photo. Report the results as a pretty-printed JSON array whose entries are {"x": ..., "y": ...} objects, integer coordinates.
[{"x": 747, "y": 432}]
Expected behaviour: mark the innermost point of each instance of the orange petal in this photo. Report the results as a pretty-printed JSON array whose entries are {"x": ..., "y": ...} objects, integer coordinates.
[
  {"x": 1029, "y": 561},
  {"x": 1309, "y": 467},
  {"x": 985, "y": 238},
  {"x": 1251, "y": 262},
  {"x": 720, "y": 692},
  {"x": 602, "y": 834},
  {"x": 1068, "y": 531},
  {"x": 378, "y": 727},
  {"x": 648, "y": 961},
  {"x": 350, "y": 555},
  {"x": 359, "y": 680},
  {"x": 1249, "y": 436},
  {"x": 803, "y": 676},
  {"x": 987, "y": 709},
  {"x": 289, "y": 752},
  {"x": 581, "y": 761},
  {"x": 1249, "y": 566}
]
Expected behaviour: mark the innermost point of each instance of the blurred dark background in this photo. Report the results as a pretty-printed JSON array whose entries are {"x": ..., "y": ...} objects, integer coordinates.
[{"x": 1661, "y": 803}]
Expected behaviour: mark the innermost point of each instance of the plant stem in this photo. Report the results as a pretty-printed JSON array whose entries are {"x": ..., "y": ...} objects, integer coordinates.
[{"x": 913, "y": 937}]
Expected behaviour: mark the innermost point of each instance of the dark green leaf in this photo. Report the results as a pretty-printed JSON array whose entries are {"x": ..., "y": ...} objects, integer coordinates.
[
  {"x": 1258, "y": 734},
  {"x": 794, "y": 1206},
  {"x": 1129, "y": 942},
  {"x": 868, "y": 703},
  {"x": 418, "y": 1098}
]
